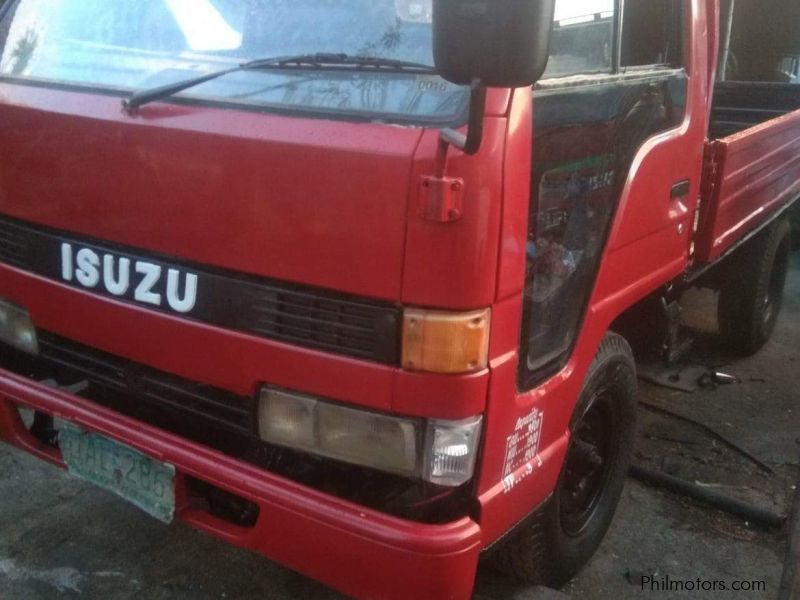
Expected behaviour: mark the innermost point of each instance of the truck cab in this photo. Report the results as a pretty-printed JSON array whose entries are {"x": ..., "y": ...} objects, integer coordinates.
[{"x": 355, "y": 284}]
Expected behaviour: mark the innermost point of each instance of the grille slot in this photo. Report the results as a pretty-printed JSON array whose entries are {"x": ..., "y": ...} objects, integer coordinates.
[
  {"x": 358, "y": 330},
  {"x": 181, "y": 398},
  {"x": 12, "y": 246}
]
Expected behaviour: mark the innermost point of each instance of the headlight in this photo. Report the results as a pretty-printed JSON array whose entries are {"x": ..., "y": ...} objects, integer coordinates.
[
  {"x": 442, "y": 452},
  {"x": 368, "y": 439},
  {"x": 287, "y": 420},
  {"x": 16, "y": 328}
]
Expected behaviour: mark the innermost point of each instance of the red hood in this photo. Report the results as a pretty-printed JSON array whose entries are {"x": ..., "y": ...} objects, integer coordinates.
[{"x": 315, "y": 202}]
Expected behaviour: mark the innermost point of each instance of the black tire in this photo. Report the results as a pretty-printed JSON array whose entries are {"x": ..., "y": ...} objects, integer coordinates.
[
  {"x": 751, "y": 294},
  {"x": 794, "y": 221},
  {"x": 554, "y": 544}
]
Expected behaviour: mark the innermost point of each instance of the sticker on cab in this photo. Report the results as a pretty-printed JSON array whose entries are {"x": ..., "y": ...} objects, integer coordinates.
[{"x": 522, "y": 450}]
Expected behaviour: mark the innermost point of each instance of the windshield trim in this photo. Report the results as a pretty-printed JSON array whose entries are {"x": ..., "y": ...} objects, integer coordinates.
[{"x": 193, "y": 99}]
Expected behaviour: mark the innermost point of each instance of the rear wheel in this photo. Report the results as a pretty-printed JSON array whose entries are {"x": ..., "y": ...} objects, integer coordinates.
[
  {"x": 553, "y": 546},
  {"x": 751, "y": 295}
]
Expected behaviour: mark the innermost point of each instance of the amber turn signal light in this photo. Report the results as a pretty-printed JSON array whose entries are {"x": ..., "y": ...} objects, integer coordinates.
[{"x": 446, "y": 342}]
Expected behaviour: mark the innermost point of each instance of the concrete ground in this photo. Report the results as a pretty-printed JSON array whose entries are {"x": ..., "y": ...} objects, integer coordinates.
[{"x": 60, "y": 538}]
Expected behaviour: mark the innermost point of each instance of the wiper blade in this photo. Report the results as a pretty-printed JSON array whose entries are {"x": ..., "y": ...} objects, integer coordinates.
[
  {"x": 377, "y": 62},
  {"x": 320, "y": 61}
]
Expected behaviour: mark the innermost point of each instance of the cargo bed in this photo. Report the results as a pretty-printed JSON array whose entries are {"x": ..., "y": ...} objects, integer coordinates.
[{"x": 752, "y": 162}]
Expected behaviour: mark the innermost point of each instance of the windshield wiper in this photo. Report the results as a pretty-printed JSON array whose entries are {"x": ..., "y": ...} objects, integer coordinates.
[{"x": 319, "y": 61}]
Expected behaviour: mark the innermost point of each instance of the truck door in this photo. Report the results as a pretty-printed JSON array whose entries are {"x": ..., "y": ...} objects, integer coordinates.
[
  {"x": 616, "y": 164},
  {"x": 619, "y": 124}
]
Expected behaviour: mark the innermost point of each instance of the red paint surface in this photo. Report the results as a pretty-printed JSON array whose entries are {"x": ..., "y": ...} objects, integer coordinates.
[
  {"x": 335, "y": 205},
  {"x": 282, "y": 197}
]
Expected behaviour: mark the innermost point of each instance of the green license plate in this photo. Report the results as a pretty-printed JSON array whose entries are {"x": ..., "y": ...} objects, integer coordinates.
[{"x": 142, "y": 481}]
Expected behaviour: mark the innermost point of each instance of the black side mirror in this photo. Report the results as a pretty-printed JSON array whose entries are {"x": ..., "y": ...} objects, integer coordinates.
[{"x": 501, "y": 43}]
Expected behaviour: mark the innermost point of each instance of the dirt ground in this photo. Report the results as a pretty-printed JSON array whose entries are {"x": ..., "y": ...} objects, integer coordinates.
[{"x": 60, "y": 538}]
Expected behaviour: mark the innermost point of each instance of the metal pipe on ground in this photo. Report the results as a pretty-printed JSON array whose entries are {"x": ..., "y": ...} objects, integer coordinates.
[
  {"x": 755, "y": 514},
  {"x": 790, "y": 584}
]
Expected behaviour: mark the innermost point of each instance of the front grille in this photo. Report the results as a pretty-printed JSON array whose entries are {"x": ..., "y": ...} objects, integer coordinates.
[
  {"x": 179, "y": 399},
  {"x": 299, "y": 315}
]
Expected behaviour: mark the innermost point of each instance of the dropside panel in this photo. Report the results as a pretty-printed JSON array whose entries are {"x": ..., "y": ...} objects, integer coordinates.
[{"x": 749, "y": 176}]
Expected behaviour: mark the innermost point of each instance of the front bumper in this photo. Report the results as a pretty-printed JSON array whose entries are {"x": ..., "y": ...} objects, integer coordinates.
[{"x": 359, "y": 552}]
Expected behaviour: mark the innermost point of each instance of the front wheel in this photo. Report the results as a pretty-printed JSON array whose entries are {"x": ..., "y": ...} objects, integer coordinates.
[{"x": 555, "y": 544}]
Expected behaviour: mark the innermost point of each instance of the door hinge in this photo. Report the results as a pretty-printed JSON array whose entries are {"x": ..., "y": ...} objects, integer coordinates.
[
  {"x": 710, "y": 170},
  {"x": 441, "y": 199}
]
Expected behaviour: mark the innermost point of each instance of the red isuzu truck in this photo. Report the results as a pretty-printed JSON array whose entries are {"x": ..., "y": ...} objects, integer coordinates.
[{"x": 354, "y": 283}]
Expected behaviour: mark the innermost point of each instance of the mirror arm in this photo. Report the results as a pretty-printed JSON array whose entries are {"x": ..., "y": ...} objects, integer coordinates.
[{"x": 470, "y": 143}]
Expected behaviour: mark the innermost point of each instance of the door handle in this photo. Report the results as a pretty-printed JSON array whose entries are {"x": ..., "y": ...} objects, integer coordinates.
[{"x": 680, "y": 189}]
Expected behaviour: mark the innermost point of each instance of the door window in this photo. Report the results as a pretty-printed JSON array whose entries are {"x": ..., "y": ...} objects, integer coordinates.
[
  {"x": 583, "y": 38},
  {"x": 651, "y": 33}
]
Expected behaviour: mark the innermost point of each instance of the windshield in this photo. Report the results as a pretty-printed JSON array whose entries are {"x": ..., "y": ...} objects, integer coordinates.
[{"x": 128, "y": 45}]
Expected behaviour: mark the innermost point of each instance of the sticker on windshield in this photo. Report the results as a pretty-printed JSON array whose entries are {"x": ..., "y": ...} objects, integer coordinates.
[{"x": 436, "y": 85}]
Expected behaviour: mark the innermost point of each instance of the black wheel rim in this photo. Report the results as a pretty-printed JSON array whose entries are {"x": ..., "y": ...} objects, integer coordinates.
[{"x": 588, "y": 464}]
